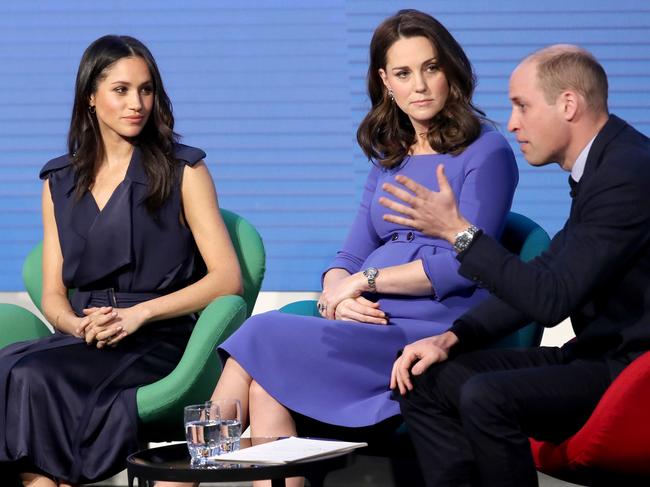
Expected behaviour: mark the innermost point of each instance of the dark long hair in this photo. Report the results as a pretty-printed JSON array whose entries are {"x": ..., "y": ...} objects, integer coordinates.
[
  {"x": 386, "y": 133},
  {"x": 157, "y": 137}
]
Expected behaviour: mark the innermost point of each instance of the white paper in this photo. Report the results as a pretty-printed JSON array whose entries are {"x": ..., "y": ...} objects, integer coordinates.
[{"x": 288, "y": 450}]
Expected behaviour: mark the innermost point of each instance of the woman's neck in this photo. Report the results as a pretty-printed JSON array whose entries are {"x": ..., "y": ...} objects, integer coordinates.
[
  {"x": 421, "y": 145},
  {"x": 117, "y": 151}
]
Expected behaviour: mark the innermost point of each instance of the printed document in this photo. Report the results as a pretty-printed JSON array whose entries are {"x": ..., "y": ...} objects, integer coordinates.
[{"x": 288, "y": 450}]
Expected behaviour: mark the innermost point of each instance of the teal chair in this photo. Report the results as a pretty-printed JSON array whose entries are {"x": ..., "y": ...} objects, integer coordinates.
[
  {"x": 521, "y": 236},
  {"x": 160, "y": 405}
]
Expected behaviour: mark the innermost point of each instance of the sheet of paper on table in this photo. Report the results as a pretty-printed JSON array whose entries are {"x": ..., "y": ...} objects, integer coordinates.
[{"x": 288, "y": 450}]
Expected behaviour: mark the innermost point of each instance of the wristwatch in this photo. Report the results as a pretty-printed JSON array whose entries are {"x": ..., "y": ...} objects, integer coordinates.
[
  {"x": 371, "y": 274},
  {"x": 465, "y": 238}
]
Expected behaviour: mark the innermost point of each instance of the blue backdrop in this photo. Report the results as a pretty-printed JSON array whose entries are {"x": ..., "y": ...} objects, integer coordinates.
[{"x": 273, "y": 91}]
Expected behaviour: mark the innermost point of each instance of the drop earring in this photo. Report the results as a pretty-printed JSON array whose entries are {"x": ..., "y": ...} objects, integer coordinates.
[
  {"x": 391, "y": 95},
  {"x": 91, "y": 108}
]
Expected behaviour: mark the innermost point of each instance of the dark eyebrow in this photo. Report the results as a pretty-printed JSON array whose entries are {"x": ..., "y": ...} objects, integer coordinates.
[
  {"x": 149, "y": 82},
  {"x": 428, "y": 61}
]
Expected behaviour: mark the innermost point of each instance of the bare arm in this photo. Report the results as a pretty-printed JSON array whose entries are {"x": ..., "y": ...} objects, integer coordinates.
[
  {"x": 334, "y": 277},
  {"x": 223, "y": 275},
  {"x": 56, "y": 306}
]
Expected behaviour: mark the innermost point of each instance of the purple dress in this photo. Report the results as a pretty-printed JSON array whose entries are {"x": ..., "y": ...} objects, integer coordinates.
[
  {"x": 337, "y": 372},
  {"x": 67, "y": 409}
]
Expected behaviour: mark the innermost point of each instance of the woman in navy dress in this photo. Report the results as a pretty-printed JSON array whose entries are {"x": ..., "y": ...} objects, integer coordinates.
[
  {"x": 131, "y": 223},
  {"x": 389, "y": 285}
]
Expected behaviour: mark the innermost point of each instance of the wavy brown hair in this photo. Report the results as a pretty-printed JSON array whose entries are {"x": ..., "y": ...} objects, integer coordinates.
[
  {"x": 85, "y": 143},
  {"x": 386, "y": 133}
]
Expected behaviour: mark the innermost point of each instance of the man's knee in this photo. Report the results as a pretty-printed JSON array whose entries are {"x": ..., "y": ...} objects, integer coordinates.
[
  {"x": 439, "y": 386},
  {"x": 482, "y": 399}
]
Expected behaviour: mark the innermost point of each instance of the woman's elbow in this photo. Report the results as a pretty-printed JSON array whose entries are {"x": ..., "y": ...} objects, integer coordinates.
[
  {"x": 238, "y": 286},
  {"x": 230, "y": 281}
]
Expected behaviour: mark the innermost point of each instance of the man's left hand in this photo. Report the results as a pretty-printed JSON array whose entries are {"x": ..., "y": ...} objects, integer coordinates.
[
  {"x": 433, "y": 213},
  {"x": 418, "y": 357}
]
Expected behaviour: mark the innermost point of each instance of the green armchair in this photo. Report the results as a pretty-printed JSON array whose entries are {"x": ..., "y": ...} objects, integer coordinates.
[{"x": 160, "y": 404}]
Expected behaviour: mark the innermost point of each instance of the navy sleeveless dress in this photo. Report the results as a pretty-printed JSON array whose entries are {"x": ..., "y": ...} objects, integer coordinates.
[{"x": 67, "y": 409}]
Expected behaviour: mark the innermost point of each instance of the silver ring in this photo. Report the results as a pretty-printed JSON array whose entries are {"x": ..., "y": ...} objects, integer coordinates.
[{"x": 321, "y": 307}]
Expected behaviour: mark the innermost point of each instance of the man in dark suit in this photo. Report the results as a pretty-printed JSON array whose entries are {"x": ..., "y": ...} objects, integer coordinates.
[{"x": 470, "y": 411}]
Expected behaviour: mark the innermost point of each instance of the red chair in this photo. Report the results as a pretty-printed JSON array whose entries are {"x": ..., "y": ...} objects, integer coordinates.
[{"x": 613, "y": 447}]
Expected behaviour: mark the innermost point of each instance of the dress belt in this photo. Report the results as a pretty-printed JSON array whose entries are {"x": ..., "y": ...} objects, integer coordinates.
[{"x": 108, "y": 297}]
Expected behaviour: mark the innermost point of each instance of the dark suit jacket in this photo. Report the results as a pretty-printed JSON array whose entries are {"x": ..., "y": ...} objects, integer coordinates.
[{"x": 597, "y": 268}]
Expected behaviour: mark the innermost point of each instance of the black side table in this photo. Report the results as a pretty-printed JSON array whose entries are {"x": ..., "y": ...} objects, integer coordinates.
[{"x": 172, "y": 463}]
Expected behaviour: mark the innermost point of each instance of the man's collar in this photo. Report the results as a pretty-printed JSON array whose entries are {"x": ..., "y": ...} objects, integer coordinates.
[{"x": 579, "y": 166}]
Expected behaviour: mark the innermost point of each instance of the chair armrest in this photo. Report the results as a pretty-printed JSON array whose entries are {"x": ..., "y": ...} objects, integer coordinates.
[
  {"x": 306, "y": 307},
  {"x": 165, "y": 398},
  {"x": 18, "y": 324},
  {"x": 615, "y": 437},
  {"x": 617, "y": 432}
]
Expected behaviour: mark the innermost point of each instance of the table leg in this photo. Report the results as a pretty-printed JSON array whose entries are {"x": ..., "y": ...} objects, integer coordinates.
[{"x": 316, "y": 480}]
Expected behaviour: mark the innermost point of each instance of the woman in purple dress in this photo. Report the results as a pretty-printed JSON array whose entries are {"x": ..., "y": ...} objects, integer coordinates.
[
  {"x": 389, "y": 285},
  {"x": 131, "y": 223}
]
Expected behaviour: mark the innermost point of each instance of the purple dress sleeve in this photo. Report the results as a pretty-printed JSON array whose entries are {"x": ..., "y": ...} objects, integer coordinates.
[
  {"x": 485, "y": 198},
  {"x": 362, "y": 238}
]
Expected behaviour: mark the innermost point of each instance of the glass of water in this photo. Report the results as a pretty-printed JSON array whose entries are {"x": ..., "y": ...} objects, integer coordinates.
[
  {"x": 230, "y": 433},
  {"x": 202, "y": 431}
]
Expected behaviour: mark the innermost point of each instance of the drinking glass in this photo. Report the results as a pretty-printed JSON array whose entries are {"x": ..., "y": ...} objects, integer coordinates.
[
  {"x": 230, "y": 433},
  {"x": 202, "y": 431}
]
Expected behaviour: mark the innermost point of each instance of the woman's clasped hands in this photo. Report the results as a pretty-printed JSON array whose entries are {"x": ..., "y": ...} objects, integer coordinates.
[
  {"x": 107, "y": 326},
  {"x": 342, "y": 300}
]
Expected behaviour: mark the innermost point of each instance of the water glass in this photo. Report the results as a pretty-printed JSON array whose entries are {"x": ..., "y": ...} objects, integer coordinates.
[
  {"x": 230, "y": 432},
  {"x": 202, "y": 431}
]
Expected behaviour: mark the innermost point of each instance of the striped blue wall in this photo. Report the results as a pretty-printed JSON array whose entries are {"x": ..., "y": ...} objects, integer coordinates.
[{"x": 273, "y": 91}]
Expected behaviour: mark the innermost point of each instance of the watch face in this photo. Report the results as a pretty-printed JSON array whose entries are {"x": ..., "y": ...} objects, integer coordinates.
[
  {"x": 465, "y": 238},
  {"x": 463, "y": 241},
  {"x": 371, "y": 272}
]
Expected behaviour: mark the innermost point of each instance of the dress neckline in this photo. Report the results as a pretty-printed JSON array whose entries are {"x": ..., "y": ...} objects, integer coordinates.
[{"x": 134, "y": 161}]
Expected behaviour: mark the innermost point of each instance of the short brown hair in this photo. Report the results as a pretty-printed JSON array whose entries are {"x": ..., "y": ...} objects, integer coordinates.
[{"x": 568, "y": 67}]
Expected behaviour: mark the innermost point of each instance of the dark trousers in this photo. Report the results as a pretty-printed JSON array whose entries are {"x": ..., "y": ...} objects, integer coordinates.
[{"x": 470, "y": 417}]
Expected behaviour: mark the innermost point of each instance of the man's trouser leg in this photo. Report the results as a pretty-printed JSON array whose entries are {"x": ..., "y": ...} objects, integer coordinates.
[{"x": 470, "y": 417}]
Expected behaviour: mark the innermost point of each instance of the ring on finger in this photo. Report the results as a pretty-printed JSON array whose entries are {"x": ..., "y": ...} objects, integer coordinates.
[{"x": 322, "y": 308}]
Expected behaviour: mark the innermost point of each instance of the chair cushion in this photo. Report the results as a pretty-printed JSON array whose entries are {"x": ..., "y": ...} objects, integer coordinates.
[{"x": 617, "y": 435}]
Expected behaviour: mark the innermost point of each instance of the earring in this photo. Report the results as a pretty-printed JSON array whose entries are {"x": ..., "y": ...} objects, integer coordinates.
[
  {"x": 391, "y": 95},
  {"x": 91, "y": 108}
]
